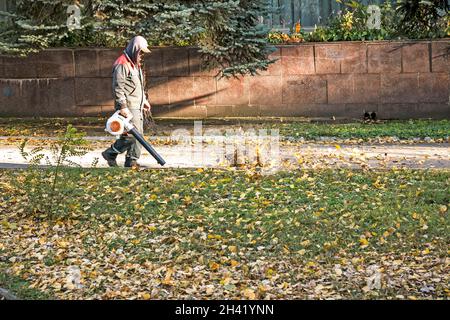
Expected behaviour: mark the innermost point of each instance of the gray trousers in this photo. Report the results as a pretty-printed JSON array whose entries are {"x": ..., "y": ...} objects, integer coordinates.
[{"x": 129, "y": 143}]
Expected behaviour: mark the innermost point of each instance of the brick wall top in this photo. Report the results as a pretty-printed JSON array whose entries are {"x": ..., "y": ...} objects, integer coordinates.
[{"x": 295, "y": 59}]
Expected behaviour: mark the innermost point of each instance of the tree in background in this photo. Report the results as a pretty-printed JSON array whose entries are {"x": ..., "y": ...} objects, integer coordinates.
[
  {"x": 228, "y": 33},
  {"x": 419, "y": 17}
]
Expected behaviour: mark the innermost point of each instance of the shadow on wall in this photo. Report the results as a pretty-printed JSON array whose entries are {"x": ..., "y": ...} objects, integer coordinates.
[
  {"x": 396, "y": 80},
  {"x": 64, "y": 82}
]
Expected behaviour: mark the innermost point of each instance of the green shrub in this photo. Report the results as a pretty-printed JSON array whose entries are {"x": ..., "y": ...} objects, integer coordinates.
[
  {"x": 351, "y": 25},
  {"x": 47, "y": 194},
  {"x": 423, "y": 19},
  {"x": 407, "y": 19}
]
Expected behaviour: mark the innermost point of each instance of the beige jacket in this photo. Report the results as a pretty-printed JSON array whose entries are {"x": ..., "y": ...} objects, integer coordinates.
[{"x": 128, "y": 85}]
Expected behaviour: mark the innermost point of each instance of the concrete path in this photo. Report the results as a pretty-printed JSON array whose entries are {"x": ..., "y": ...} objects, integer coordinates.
[{"x": 278, "y": 156}]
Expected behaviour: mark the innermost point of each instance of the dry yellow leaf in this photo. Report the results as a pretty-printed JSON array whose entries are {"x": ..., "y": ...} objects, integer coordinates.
[
  {"x": 262, "y": 288},
  {"x": 214, "y": 266},
  {"x": 305, "y": 243},
  {"x": 225, "y": 281},
  {"x": 364, "y": 242},
  {"x": 187, "y": 200},
  {"x": 146, "y": 296},
  {"x": 232, "y": 249},
  {"x": 249, "y": 294},
  {"x": 168, "y": 278},
  {"x": 62, "y": 244}
]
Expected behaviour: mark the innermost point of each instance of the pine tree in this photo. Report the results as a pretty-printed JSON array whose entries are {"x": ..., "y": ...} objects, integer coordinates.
[
  {"x": 235, "y": 41},
  {"x": 228, "y": 33},
  {"x": 31, "y": 27}
]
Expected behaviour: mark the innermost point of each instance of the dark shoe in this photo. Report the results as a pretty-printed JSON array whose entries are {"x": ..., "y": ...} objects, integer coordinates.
[
  {"x": 131, "y": 163},
  {"x": 110, "y": 157}
]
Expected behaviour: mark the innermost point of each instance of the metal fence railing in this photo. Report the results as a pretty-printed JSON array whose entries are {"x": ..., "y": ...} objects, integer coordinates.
[
  {"x": 7, "y": 5},
  {"x": 286, "y": 13}
]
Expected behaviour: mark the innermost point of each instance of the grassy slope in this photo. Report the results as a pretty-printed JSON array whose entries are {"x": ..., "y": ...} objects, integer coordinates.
[{"x": 231, "y": 221}]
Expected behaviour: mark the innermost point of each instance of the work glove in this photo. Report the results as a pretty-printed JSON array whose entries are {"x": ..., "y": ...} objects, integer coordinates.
[{"x": 125, "y": 112}]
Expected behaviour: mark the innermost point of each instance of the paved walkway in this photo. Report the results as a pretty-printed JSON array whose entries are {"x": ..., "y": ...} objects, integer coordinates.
[{"x": 281, "y": 156}]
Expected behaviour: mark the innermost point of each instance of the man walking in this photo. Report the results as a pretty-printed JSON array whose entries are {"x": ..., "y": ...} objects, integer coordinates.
[{"x": 129, "y": 96}]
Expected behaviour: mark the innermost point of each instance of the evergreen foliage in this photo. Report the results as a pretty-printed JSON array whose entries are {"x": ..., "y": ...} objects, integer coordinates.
[
  {"x": 228, "y": 33},
  {"x": 423, "y": 18}
]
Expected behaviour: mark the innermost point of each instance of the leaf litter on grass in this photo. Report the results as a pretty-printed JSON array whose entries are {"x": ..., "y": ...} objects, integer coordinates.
[{"x": 182, "y": 234}]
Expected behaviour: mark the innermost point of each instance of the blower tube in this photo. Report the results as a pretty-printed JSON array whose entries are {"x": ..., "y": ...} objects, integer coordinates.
[{"x": 147, "y": 146}]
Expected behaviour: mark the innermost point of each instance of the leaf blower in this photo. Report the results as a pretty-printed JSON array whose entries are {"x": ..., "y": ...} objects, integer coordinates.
[{"x": 118, "y": 124}]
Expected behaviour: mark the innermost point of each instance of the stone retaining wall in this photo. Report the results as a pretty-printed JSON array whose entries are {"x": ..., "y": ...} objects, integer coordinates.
[{"x": 341, "y": 79}]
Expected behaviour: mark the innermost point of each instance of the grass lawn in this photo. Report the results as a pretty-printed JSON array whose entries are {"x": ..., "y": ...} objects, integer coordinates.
[
  {"x": 20, "y": 287},
  {"x": 435, "y": 129},
  {"x": 227, "y": 234}
]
